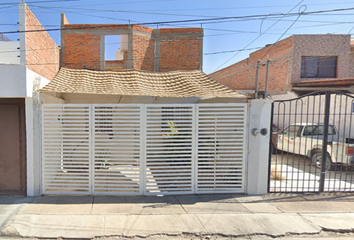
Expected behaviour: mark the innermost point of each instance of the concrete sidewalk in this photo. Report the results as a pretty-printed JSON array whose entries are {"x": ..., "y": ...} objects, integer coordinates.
[{"x": 272, "y": 215}]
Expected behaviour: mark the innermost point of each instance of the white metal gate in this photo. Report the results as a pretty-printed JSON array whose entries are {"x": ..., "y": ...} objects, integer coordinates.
[{"x": 143, "y": 149}]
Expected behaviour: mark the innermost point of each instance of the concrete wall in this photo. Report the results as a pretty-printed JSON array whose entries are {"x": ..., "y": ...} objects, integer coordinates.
[
  {"x": 13, "y": 81},
  {"x": 9, "y": 52},
  {"x": 258, "y": 146}
]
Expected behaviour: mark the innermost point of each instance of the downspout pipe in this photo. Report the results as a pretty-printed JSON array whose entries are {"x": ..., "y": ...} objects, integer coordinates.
[{"x": 257, "y": 80}]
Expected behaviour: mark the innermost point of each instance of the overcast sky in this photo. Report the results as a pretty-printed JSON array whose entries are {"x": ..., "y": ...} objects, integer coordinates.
[{"x": 226, "y": 41}]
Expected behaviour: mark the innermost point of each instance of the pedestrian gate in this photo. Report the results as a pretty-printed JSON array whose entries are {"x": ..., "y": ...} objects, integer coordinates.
[
  {"x": 313, "y": 150},
  {"x": 143, "y": 149}
]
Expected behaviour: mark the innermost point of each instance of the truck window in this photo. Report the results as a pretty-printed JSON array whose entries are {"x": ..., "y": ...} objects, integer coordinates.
[
  {"x": 292, "y": 131},
  {"x": 318, "y": 130}
]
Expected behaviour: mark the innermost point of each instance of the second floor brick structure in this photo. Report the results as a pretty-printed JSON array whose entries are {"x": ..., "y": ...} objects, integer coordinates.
[
  {"x": 296, "y": 59},
  {"x": 142, "y": 48}
]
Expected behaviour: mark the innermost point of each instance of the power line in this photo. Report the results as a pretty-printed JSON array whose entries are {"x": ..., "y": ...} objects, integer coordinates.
[
  {"x": 230, "y": 51},
  {"x": 281, "y": 35},
  {"x": 193, "y": 20},
  {"x": 44, "y": 1},
  {"x": 123, "y": 11},
  {"x": 256, "y": 38}
]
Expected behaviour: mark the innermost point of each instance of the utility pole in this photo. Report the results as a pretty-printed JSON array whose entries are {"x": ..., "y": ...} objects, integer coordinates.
[
  {"x": 266, "y": 82},
  {"x": 257, "y": 80}
]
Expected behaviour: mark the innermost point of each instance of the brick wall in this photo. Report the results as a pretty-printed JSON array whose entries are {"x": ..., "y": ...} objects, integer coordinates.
[
  {"x": 285, "y": 67},
  {"x": 242, "y": 75},
  {"x": 351, "y": 59},
  {"x": 42, "y": 53},
  {"x": 82, "y": 51},
  {"x": 322, "y": 45},
  {"x": 143, "y": 49},
  {"x": 178, "y": 51}
]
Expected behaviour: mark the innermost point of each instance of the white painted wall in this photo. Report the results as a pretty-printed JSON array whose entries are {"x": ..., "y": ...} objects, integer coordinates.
[
  {"x": 258, "y": 146},
  {"x": 34, "y": 81},
  {"x": 16, "y": 81},
  {"x": 22, "y": 28},
  {"x": 9, "y": 52},
  {"x": 12, "y": 80},
  {"x": 33, "y": 130},
  {"x": 341, "y": 112}
]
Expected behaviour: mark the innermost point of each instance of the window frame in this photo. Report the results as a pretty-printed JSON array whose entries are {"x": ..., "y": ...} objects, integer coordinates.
[{"x": 307, "y": 72}]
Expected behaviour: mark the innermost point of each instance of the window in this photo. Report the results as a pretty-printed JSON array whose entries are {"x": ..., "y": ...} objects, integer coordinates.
[
  {"x": 292, "y": 131},
  {"x": 318, "y": 130},
  {"x": 112, "y": 45},
  {"x": 318, "y": 67}
]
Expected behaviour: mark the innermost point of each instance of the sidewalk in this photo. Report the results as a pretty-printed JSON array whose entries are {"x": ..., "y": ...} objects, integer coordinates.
[{"x": 272, "y": 215}]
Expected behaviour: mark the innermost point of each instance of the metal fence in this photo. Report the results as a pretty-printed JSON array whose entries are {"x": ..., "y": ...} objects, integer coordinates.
[
  {"x": 311, "y": 149},
  {"x": 143, "y": 149}
]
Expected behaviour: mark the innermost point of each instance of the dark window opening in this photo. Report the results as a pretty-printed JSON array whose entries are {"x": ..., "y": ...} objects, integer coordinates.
[{"x": 318, "y": 67}]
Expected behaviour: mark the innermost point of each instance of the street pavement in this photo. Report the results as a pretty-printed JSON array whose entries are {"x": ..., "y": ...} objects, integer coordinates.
[{"x": 281, "y": 216}]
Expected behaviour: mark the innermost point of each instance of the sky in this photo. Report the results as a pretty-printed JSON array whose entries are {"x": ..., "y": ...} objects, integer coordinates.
[{"x": 232, "y": 28}]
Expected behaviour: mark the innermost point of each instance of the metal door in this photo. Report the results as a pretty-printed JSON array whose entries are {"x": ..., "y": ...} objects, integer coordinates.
[
  {"x": 313, "y": 150},
  {"x": 12, "y": 147}
]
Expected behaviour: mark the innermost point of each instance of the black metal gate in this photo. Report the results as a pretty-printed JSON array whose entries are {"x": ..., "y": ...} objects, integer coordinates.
[{"x": 311, "y": 148}]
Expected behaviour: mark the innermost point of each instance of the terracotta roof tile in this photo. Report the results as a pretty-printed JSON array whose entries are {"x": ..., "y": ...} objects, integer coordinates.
[{"x": 143, "y": 83}]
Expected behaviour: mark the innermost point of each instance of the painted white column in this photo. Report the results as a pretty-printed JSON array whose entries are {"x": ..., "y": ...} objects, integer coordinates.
[
  {"x": 29, "y": 146},
  {"x": 22, "y": 29},
  {"x": 258, "y": 146}
]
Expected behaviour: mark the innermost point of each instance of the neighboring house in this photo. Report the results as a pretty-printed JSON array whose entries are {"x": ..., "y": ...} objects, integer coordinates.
[
  {"x": 300, "y": 63},
  {"x": 25, "y": 66}
]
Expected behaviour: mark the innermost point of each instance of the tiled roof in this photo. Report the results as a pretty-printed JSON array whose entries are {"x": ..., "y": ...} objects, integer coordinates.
[
  {"x": 325, "y": 82},
  {"x": 143, "y": 83}
]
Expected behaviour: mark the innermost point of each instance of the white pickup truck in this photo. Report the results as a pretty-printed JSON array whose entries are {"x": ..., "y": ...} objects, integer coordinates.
[{"x": 306, "y": 139}]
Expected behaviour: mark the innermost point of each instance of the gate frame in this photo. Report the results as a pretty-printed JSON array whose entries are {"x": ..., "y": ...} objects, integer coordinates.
[
  {"x": 195, "y": 127},
  {"x": 327, "y": 105}
]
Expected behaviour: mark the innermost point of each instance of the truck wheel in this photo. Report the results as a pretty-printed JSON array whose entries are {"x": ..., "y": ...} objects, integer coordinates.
[{"x": 317, "y": 161}]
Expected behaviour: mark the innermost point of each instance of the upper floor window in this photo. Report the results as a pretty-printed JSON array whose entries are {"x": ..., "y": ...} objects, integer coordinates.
[{"x": 318, "y": 67}]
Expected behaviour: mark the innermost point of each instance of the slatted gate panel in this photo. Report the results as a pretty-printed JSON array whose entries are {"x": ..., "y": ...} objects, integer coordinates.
[
  {"x": 221, "y": 148},
  {"x": 169, "y": 147},
  {"x": 117, "y": 139},
  {"x": 112, "y": 149},
  {"x": 66, "y": 149}
]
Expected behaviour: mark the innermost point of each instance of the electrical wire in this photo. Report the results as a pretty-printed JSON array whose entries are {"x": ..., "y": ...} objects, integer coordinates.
[
  {"x": 284, "y": 32},
  {"x": 256, "y": 38},
  {"x": 194, "y": 20}
]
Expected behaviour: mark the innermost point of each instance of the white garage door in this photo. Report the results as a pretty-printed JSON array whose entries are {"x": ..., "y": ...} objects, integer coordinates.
[{"x": 143, "y": 149}]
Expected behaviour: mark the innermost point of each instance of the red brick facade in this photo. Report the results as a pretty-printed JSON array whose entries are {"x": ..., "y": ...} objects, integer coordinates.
[
  {"x": 285, "y": 65},
  {"x": 152, "y": 50},
  {"x": 242, "y": 75},
  {"x": 85, "y": 52},
  {"x": 42, "y": 53},
  {"x": 143, "y": 53}
]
